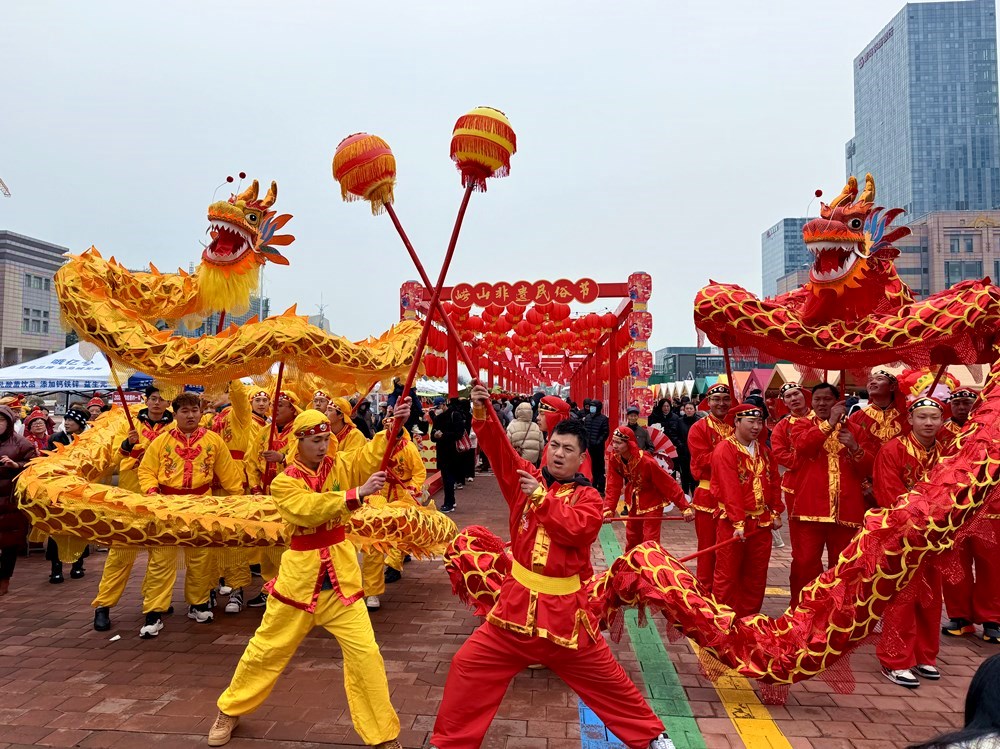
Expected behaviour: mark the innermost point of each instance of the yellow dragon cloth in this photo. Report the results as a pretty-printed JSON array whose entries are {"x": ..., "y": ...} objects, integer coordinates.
[{"x": 117, "y": 311}]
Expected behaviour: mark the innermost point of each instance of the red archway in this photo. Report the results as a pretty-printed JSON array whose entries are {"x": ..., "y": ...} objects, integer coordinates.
[{"x": 526, "y": 335}]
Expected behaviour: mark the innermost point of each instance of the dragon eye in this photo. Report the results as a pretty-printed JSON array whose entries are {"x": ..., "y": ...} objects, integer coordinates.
[
  {"x": 251, "y": 218},
  {"x": 855, "y": 224}
]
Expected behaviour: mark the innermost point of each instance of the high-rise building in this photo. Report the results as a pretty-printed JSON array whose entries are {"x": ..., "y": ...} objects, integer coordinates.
[
  {"x": 782, "y": 251},
  {"x": 29, "y": 309},
  {"x": 926, "y": 113}
]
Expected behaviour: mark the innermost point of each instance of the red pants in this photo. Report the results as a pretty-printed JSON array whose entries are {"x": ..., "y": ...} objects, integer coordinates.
[
  {"x": 483, "y": 667},
  {"x": 976, "y": 597},
  {"x": 705, "y": 527},
  {"x": 637, "y": 532},
  {"x": 911, "y": 627},
  {"x": 741, "y": 568},
  {"x": 809, "y": 538}
]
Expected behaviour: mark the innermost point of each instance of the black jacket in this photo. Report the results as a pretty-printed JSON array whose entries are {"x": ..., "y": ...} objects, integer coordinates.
[{"x": 597, "y": 426}]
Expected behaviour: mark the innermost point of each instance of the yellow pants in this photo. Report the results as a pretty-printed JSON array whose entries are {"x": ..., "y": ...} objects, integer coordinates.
[
  {"x": 234, "y": 565},
  {"x": 373, "y": 572},
  {"x": 270, "y": 561},
  {"x": 275, "y": 642},
  {"x": 160, "y": 566},
  {"x": 200, "y": 576}
]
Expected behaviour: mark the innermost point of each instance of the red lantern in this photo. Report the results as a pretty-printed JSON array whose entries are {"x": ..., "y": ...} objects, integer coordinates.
[
  {"x": 609, "y": 319},
  {"x": 534, "y": 316}
]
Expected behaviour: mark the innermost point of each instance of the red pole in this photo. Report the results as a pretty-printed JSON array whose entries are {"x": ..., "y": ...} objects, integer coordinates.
[
  {"x": 614, "y": 406},
  {"x": 719, "y": 545},
  {"x": 266, "y": 479},
  {"x": 937, "y": 378},
  {"x": 729, "y": 375},
  {"x": 452, "y": 368},
  {"x": 222, "y": 321},
  {"x": 121, "y": 394}
]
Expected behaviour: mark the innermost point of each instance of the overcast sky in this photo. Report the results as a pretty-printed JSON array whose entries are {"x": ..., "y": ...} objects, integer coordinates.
[{"x": 656, "y": 136}]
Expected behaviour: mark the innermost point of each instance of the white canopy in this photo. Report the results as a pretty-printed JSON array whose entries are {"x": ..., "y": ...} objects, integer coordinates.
[{"x": 64, "y": 370}]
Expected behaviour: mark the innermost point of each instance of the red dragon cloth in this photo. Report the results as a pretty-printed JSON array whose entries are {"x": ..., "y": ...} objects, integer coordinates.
[{"x": 854, "y": 313}]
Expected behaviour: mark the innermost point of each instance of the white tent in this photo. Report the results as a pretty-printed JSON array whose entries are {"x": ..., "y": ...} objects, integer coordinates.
[{"x": 63, "y": 370}]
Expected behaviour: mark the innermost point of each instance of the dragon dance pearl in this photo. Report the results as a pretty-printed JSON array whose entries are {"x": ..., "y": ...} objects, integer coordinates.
[
  {"x": 364, "y": 166},
  {"x": 481, "y": 146}
]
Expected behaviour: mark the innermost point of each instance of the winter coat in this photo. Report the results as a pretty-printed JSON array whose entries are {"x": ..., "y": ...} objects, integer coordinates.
[
  {"x": 14, "y": 524},
  {"x": 525, "y": 435},
  {"x": 597, "y": 427}
]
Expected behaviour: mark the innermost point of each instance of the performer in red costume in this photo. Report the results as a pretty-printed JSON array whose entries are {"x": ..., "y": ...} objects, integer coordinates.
[
  {"x": 703, "y": 436},
  {"x": 648, "y": 489},
  {"x": 975, "y": 597},
  {"x": 910, "y": 625},
  {"x": 796, "y": 400},
  {"x": 551, "y": 411},
  {"x": 541, "y": 615},
  {"x": 885, "y": 415},
  {"x": 834, "y": 458},
  {"x": 745, "y": 479}
]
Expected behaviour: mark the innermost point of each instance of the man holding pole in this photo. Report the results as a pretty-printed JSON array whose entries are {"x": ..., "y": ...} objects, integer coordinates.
[
  {"x": 541, "y": 614},
  {"x": 648, "y": 489},
  {"x": 703, "y": 436}
]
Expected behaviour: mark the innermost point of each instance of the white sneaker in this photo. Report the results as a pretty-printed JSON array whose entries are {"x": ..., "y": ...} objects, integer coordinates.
[
  {"x": 225, "y": 590},
  {"x": 372, "y": 603},
  {"x": 927, "y": 671},
  {"x": 903, "y": 676},
  {"x": 661, "y": 742},
  {"x": 152, "y": 626},
  {"x": 202, "y": 616},
  {"x": 235, "y": 604}
]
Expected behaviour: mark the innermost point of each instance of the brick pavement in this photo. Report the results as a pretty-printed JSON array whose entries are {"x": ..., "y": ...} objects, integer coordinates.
[{"x": 62, "y": 684}]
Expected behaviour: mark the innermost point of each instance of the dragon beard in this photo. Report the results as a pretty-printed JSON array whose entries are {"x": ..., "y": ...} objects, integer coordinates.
[{"x": 227, "y": 287}]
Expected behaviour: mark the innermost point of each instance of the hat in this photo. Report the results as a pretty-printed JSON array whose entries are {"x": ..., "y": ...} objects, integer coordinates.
[
  {"x": 96, "y": 401},
  {"x": 744, "y": 410},
  {"x": 788, "y": 387},
  {"x": 625, "y": 434},
  {"x": 632, "y": 410},
  {"x": 439, "y": 401},
  {"x": 321, "y": 394},
  {"x": 885, "y": 373},
  {"x": 309, "y": 423},
  {"x": 34, "y": 416},
  {"x": 963, "y": 393},
  {"x": 344, "y": 406},
  {"x": 719, "y": 388},
  {"x": 80, "y": 417},
  {"x": 551, "y": 404},
  {"x": 926, "y": 402},
  {"x": 290, "y": 397},
  {"x": 257, "y": 393}
]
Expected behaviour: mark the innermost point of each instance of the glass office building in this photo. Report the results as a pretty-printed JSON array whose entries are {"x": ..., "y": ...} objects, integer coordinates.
[
  {"x": 782, "y": 251},
  {"x": 926, "y": 115}
]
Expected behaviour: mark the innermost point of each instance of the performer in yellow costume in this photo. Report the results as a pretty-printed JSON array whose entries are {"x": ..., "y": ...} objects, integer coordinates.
[
  {"x": 150, "y": 423},
  {"x": 261, "y": 454},
  {"x": 187, "y": 459},
  {"x": 320, "y": 401},
  {"x": 348, "y": 439},
  {"x": 238, "y": 428},
  {"x": 404, "y": 483},
  {"x": 318, "y": 585}
]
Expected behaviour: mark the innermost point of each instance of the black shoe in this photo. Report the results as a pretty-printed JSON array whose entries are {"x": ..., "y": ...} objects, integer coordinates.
[
  {"x": 259, "y": 602},
  {"x": 407, "y": 559},
  {"x": 152, "y": 626},
  {"x": 169, "y": 611},
  {"x": 102, "y": 618},
  {"x": 392, "y": 575},
  {"x": 957, "y": 627},
  {"x": 56, "y": 576},
  {"x": 76, "y": 571},
  {"x": 991, "y": 633},
  {"x": 447, "y": 508},
  {"x": 255, "y": 570}
]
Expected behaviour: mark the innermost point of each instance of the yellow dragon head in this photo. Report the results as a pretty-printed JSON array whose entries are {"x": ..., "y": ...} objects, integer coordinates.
[{"x": 243, "y": 231}]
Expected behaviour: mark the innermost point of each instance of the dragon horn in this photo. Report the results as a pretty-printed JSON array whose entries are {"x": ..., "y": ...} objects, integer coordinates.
[
  {"x": 250, "y": 194},
  {"x": 868, "y": 196},
  {"x": 272, "y": 195},
  {"x": 848, "y": 194}
]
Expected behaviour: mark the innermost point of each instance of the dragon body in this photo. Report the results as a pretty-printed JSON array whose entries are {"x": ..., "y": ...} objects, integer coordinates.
[
  {"x": 117, "y": 311},
  {"x": 853, "y": 313}
]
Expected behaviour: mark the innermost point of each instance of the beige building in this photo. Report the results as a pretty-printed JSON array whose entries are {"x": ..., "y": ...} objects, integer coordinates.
[
  {"x": 945, "y": 247},
  {"x": 29, "y": 310}
]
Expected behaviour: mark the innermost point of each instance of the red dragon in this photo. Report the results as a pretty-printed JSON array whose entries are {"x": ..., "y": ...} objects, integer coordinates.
[{"x": 855, "y": 312}]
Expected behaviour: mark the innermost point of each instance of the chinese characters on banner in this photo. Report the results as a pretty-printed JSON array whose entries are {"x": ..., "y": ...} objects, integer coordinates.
[{"x": 502, "y": 294}]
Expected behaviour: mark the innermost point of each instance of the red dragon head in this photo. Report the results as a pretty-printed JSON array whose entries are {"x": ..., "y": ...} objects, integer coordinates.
[{"x": 853, "y": 273}]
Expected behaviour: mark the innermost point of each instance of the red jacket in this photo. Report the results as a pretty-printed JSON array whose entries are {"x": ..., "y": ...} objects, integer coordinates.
[
  {"x": 830, "y": 477},
  {"x": 746, "y": 485},
  {"x": 703, "y": 436},
  {"x": 647, "y": 486},
  {"x": 881, "y": 424},
  {"x": 900, "y": 464},
  {"x": 783, "y": 452},
  {"x": 551, "y": 534}
]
